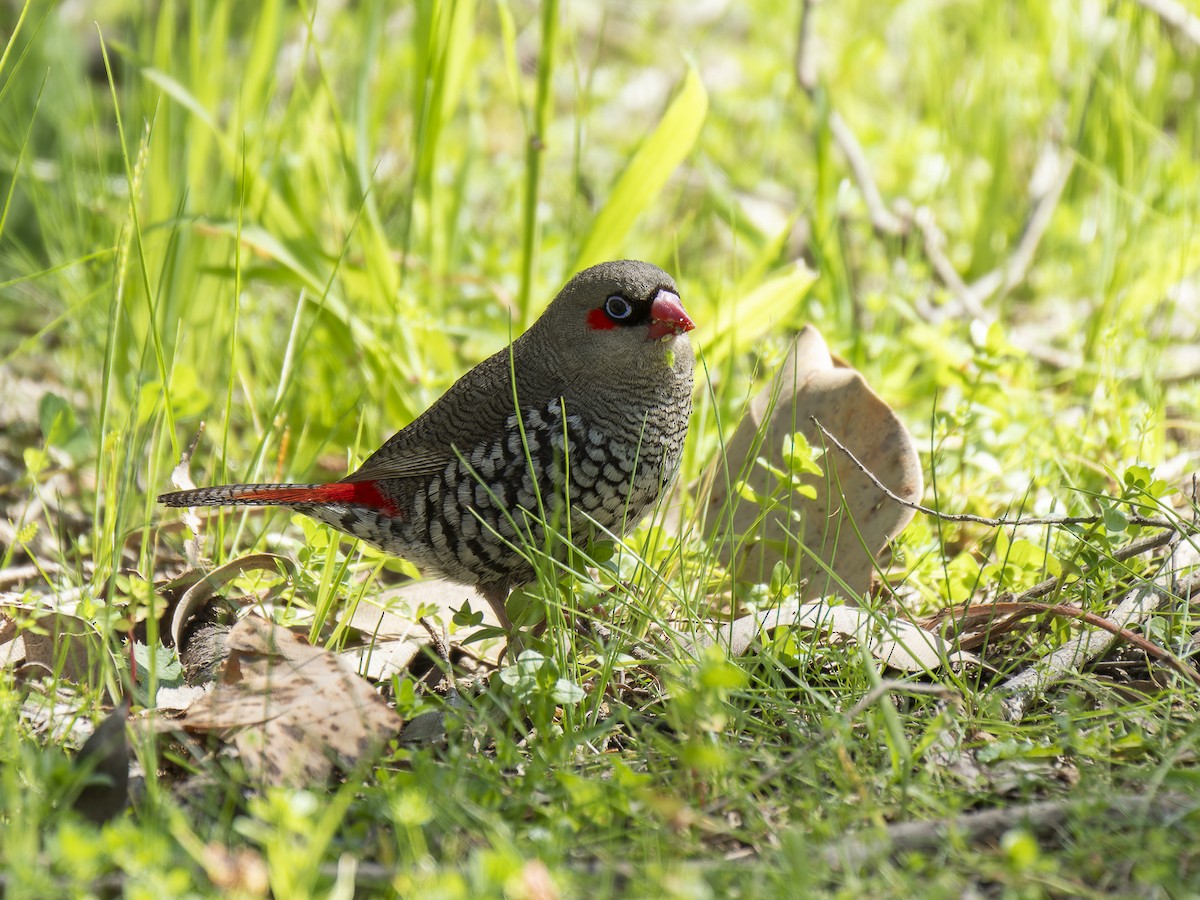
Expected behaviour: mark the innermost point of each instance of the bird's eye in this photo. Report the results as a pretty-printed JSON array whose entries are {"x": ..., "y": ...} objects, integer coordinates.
[{"x": 618, "y": 307}]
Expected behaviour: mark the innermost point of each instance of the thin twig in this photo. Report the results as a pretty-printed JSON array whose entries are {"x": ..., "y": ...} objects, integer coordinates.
[
  {"x": 1074, "y": 612},
  {"x": 1013, "y": 270},
  {"x": 639, "y": 650},
  {"x": 895, "y": 686},
  {"x": 1129, "y": 551},
  {"x": 806, "y": 61},
  {"x": 883, "y": 219},
  {"x": 438, "y": 639},
  {"x": 933, "y": 242},
  {"x": 1042, "y": 817},
  {"x": 19, "y": 574},
  {"x": 1000, "y": 522}
]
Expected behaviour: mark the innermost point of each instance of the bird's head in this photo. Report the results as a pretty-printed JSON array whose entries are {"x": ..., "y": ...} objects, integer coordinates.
[{"x": 619, "y": 317}]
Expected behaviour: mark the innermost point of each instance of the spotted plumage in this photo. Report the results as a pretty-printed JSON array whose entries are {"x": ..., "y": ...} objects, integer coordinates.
[{"x": 575, "y": 429}]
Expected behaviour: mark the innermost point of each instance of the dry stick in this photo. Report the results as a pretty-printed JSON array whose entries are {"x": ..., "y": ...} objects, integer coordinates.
[
  {"x": 933, "y": 240},
  {"x": 639, "y": 650},
  {"x": 1138, "y": 603},
  {"x": 439, "y": 641},
  {"x": 1012, "y": 272},
  {"x": 1000, "y": 522},
  {"x": 18, "y": 574},
  {"x": 883, "y": 220},
  {"x": 1043, "y": 817},
  {"x": 895, "y": 686},
  {"x": 1074, "y": 612}
]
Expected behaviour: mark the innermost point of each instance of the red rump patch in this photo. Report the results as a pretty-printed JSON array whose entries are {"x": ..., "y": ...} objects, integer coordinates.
[
  {"x": 360, "y": 493},
  {"x": 598, "y": 320}
]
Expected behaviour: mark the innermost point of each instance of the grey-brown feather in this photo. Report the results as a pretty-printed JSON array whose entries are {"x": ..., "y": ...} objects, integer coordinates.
[{"x": 604, "y": 415}]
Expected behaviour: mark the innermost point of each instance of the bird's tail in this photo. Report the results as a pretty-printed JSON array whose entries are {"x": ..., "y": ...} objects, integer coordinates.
[
  {"x": 357, "y": 493},
  {"x": 249, "y": 495}
]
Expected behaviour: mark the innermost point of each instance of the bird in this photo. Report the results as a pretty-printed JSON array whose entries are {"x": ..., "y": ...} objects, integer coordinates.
[{"x": 574, "y": 431}]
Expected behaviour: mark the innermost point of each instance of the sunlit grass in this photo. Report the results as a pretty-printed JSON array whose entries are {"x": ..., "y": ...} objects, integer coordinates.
[{"x": 300, "y": 224}]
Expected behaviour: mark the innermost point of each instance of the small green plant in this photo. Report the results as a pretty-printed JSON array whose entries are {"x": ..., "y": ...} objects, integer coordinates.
[
  {"x": 535, "y": 682},
  {"x": 299, "y": 225}
]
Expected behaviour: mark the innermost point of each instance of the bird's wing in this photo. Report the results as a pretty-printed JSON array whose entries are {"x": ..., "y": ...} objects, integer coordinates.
[
  {"x": 420, "y": 462},
  {"x": 474, "y": 409}
]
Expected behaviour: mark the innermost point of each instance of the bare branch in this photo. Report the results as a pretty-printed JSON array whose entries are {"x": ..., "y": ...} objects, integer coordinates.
[
  {"x": 1013, "y": 270},
  {"x": 1140, "y": 603},
  {"x": 806, "y": 61},
  {"x": 1000, "y": 522},
  {"x": 883, "y": 220},
  {"x": 1042, "y": 817}
]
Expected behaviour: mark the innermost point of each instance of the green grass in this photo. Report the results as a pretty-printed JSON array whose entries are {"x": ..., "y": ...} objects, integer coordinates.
[{"x": 301, "y": 224}]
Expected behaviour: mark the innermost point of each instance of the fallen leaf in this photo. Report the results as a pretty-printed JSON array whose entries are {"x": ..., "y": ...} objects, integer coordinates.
[
  {"x": 831, "y": 540},
  {"x": 178, "y": 699},
  {"x": 293, "y": 710},
  {"x": 33, "y": 634},
  {"x": 197, "y": 596},
  {"x": 104, "y": 761}
]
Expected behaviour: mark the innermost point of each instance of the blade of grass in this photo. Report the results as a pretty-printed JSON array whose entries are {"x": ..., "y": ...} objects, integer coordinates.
[{"x": 643, "y": 179}]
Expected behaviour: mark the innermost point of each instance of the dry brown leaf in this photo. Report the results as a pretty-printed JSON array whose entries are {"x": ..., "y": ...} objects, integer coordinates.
[
  {"x": 197, "y": 596},
  {"x": 294, "y": 710},
  {"x": 812, "y": 384},
  {"x": 104, "y": 761},
  {"x": 32, "y": 634},
  {"x": 898, "y": 644}
]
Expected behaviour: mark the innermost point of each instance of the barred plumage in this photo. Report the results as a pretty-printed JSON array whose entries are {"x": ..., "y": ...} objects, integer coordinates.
[{"x": 603, "y": 384}]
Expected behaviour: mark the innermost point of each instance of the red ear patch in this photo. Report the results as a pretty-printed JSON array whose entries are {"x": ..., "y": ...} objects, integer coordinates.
[{"x": 598, "y": 320}]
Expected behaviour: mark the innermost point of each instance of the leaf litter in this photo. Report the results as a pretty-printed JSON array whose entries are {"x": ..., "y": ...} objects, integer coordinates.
[{"x": 294, "y": 712}]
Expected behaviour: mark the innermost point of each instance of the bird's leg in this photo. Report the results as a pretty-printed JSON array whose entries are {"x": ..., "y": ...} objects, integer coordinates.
[{"x": 496, "y": 594}]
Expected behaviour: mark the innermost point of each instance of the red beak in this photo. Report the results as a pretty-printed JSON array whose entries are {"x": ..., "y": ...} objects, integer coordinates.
[{"x": 667, "y": 316}]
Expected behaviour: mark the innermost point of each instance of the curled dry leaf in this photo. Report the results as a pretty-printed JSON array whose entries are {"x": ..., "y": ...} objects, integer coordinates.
[
  {"x": 895, "y": 643},
  {"x": 293, "y": 710},
  {"x": 197, "y": 596},
  {"x": 850, "y": 521}
]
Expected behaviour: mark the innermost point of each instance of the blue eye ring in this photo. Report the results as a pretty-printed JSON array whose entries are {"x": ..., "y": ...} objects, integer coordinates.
[{"x": 617, "y": 307}]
